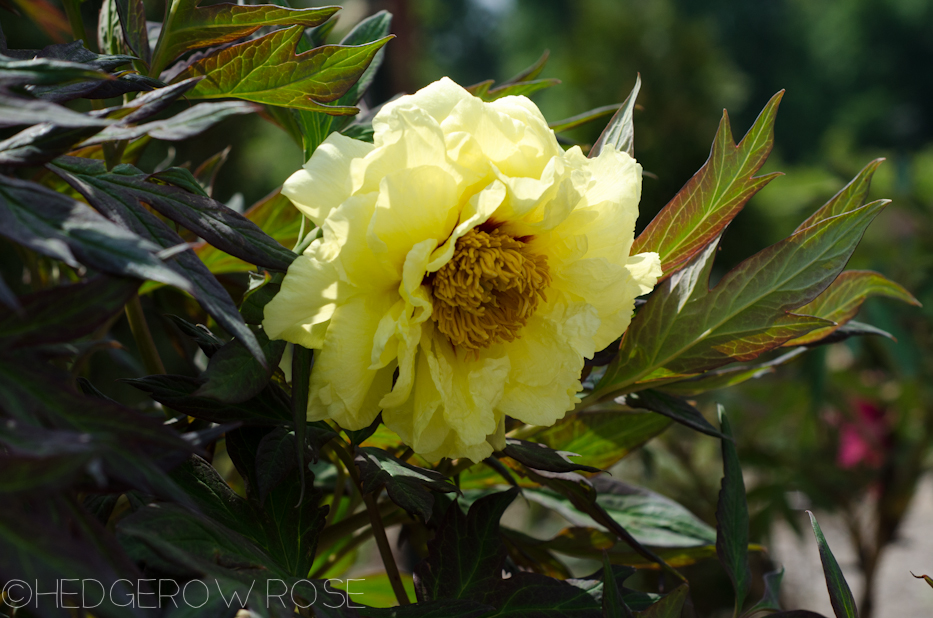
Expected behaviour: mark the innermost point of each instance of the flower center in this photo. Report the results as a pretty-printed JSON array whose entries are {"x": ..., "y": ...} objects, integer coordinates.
[{"x": 488, "y": 290}]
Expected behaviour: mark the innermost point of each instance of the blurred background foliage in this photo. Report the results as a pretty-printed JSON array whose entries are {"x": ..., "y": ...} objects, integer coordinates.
[{"x": 847, "y": 428}]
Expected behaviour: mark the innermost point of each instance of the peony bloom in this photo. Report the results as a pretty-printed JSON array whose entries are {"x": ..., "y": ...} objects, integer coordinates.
[{"x": 467, "y": 266}]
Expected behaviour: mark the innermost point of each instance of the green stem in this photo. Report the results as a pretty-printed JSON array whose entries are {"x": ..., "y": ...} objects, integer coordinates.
[
  {"x": 143, "y": 337},
  {"x": 385, "y": 551},
  {"x": 375, "y": 519}
]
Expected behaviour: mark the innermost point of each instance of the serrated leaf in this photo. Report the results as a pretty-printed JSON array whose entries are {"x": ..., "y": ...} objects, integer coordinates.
[
  {"x": 190, "y": 26},
  {"x": 839, "y": 593},
  {"x": 541, "y": 457},
  {"x": 270, "y": 407},
  {"x": 732, "y": 519},
  {"x": 132, "y": 15},
  {"x": 844, "y": 297},
  {"x": 466, "y": 556},
  {"x": 266, "y": 70},
  {"x": 672, "y": 407},
  {"x": 275, "y": 215},
  {"x": 216, "y": 223},
  {"x": 63, "y": 228},
  {"x": 853, "y": 194},
  {"x": 64, "y": 313},
  {"x": 686, "y": 328},
  {"x": 123, "y": 207},
  {"x": 620, "y": 132},
  {"x": 234, "y": 375},
  {"x": 408, "y": 486},
  {"x": 670, "y": 606},
  {"x": 714, "y": 196}
]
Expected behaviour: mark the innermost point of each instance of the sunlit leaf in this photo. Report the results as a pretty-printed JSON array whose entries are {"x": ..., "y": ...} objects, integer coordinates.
[
  {"x": 266, "y": 70},
  {"x": 620, "y": 132},
  {"x": 686, "y": 328},
  {"x": 714, "y": 196},
  {"x": 190, "y": 26},
  {"x": 844, "y": 297}
]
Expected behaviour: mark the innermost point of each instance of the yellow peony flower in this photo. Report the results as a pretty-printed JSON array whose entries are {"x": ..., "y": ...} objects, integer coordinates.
[{"x": 467, "y": 266}]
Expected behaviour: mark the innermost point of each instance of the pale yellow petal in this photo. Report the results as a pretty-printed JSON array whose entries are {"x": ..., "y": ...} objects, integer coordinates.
[
  {"x": 325, "y": 182},
  {"x": 414, "y": 205},
  {"x": 300, "y": 311},
  {"x": 343, "y": 387}
]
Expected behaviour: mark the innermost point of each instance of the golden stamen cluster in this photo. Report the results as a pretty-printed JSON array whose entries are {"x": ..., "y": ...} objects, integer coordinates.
[{"x": 488, "y": 290}]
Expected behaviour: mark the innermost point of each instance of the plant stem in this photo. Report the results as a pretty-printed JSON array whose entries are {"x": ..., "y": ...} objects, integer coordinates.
[
  {"x": 143, "y": 337},
  {"x": 382, "y": 542},
  {"x": 375, "y": 519}
]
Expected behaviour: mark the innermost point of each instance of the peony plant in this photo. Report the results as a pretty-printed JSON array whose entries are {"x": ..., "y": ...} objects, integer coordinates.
[{"x": 442, "y": 309}]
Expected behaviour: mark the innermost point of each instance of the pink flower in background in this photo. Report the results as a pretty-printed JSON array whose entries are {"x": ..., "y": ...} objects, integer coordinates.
[{"x": 863, "y": 440}]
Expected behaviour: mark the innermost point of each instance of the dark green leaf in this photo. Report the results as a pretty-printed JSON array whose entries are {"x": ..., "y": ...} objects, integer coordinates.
[
  {"x": 408, "y": 486},
  {"x": 217, "y": 224},
  {"x": 714, "y": 196},
  {"x": 541, "y": 457},
  {"x": 254, "y": 303},
  {"x": 270, "y": 407},
  {"x": 188, "y": 272},
  {"x": 191, "y": 27},
  {"x": 266, "y": 70},
  {"x": 122, "y": 84},
  {"x": 359, "y": 436},
  {"x": 796, "y": 613},
  {"x": 186, "y": 124},
  {"x": 16, "y": 110},
  {"x": 67, "y": 312},
  {"x": 732, "y": 519},
  {"x": 41, "y": 143},
  {"x": 672, "y": 407},
  {"x": 839, "y": 594},
  {"x": 620, "y": 132},
  {"x": 53, "y": 540},
  {"x": 851, "y": 329},
  {"x": 519, "y": 89},
  {"x": 45, "y": 71},
  {"x": 466, "y": 557},
  {"x": 147, "y": 105},
  {"x": 613, "y": 605},
  {"x": 275, "y": 460},
  {"x": 202, "y": 335},
  {"x": 58, "y": 226},
  {"x": 529, "y": 595},
  {"x": 132, "y": 15},
  {"x": 770, "y": 601},
  {"x": 668, "y": 607},
  {"x": 234, "y": 375}
]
